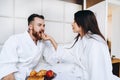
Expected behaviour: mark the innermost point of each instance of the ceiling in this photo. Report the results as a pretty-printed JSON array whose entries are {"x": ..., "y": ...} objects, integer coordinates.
[
  {"x": 75, "y": 1},
  {"x": 90, "y": 3}
]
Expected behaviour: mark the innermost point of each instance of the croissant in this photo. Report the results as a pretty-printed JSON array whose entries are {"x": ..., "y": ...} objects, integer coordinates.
[
  {"x": 33, "y": 73},
  {"x": 37, "y": 75},
  {"x": 41, "y": 73},
  {"x": 35, "y": 78}
]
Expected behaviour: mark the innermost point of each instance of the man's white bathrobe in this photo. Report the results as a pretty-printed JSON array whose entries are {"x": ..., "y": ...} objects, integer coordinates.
[
  {"x": 20, "y": 55},
  {"x": 88, "y": 59}
]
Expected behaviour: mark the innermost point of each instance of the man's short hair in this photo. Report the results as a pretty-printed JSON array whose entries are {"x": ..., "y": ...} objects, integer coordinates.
[{"x": 32, "y": 16}]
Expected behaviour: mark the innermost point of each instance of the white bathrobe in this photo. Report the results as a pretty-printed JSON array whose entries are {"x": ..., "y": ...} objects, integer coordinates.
[
  {"x": 20, "y": 55},
  {"x": 89, "y": 59}
]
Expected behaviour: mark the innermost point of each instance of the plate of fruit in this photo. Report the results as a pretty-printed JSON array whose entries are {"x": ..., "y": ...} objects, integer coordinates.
[{"x": 41, "y": 75}]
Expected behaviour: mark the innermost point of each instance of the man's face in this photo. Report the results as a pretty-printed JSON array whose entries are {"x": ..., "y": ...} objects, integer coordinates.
[{"x": 38, "y": 26}]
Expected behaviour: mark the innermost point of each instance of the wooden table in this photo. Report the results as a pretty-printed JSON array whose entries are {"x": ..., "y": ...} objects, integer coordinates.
[{"x": 116, "y": 60}]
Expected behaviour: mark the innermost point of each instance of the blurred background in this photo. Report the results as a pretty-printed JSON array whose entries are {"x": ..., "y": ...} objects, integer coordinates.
[{"x": 59, "y": 16}]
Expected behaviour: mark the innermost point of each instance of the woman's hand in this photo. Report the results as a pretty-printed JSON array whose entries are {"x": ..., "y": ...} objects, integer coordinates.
[{"x": 46, "y": 37}]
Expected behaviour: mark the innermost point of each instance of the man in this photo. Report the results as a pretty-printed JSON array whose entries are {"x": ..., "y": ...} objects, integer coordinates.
[{"x": 21, "y": 53}]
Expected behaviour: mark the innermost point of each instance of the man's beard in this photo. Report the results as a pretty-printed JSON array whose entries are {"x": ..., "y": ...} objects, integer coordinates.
[{"x": 37, "y": 35}]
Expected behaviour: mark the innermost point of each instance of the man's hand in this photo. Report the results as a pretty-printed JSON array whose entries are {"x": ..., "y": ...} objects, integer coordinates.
[{"x": 9, "y": 77}]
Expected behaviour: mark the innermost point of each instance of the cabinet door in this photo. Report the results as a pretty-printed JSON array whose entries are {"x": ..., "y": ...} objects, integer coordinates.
[{"x": 116, "y": 69}]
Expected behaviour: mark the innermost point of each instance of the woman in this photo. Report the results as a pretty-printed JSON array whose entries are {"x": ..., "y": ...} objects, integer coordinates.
[{"x": 89, "y": 51}]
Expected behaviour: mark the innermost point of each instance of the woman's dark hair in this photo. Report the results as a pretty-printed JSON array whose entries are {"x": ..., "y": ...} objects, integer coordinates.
[
  {"x": 87, "y": 21},
  {"x": 32, "y": 16}
]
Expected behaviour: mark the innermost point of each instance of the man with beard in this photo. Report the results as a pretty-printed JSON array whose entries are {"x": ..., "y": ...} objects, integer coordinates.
[{"x": 21, "y": 53}]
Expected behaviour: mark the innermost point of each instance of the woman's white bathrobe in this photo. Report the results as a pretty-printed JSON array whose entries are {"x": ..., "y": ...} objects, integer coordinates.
[
  {"x": 20, "y": 55},
  {"x": 88, "y": 59}
]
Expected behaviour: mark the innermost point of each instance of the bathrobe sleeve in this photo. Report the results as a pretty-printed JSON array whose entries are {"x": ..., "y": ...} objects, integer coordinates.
[
  {"x": 8, "y": 58},
  {"x": 99, "y": 62},
  {"x": 50, "y": 55},
  {"x": 61, "y": 55}
]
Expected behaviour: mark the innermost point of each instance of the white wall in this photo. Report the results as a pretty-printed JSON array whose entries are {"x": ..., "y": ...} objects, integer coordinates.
[
  {"x": 114, "y": 23},
  {"x": 109, "y": 28},
  {"x": 115, "y": 37},
  {"x": 100, "y": 11},
  {"x": 116, "y": 2},
  {"x": 58, "y": 16}
]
